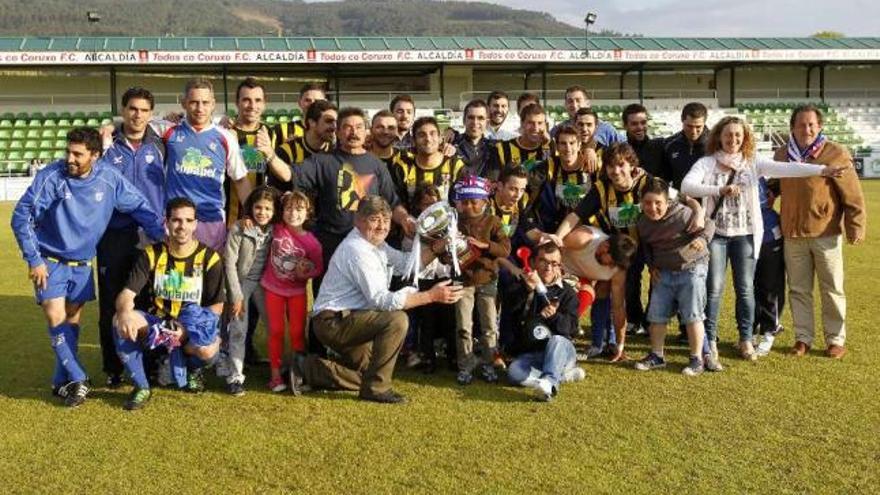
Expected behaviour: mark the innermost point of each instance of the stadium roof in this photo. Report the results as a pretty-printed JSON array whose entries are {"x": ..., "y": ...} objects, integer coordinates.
[
  {"x": 45, "y": 51},
  {"x": 91, "y": 44}
]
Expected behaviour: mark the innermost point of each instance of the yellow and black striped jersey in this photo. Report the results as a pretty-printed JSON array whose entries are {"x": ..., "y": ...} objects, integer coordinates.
[
  {"x": 286, "y": 131},
  {"x": 509, "y": 216},
  {"x": 511, "y": 153},
  {"x": 615, "y": 211},
  {"x": 173, "y": 282},
  {"x": 255, "y": 162},
  {"x": 293, "y": 153},
  {"x": 407, "y": 175}
]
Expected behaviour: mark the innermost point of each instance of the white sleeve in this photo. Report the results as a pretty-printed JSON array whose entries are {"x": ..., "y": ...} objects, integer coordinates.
[
  {"x": 692, "y": 184},
  {"x": 235, "y": 167},
  {"x": 769, "y": 168}
]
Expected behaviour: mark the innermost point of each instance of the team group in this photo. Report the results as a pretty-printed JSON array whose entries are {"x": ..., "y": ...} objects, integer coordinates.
[{"x": 494, "y": 241}]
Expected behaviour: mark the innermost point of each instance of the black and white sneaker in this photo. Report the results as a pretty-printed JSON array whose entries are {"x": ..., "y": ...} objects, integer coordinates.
[
  {"x": 235, "y": 389},
  {"x": 62, "y": 390},
  {"x": 114, "y": 381},
  {"x": 76, "y": 395}
]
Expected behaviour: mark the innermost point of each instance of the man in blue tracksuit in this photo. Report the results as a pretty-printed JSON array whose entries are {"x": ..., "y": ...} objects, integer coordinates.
[
  {"x": 57, "y": 224},
  {"x": 137, "y": 151}
]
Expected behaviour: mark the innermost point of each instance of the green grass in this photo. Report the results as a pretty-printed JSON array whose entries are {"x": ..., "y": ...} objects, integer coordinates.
[{"x": 783, "y": 425}]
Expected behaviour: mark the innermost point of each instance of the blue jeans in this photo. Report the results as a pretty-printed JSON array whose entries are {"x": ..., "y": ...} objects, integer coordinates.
[
  {"x": 741, "y": 252},
  {"x": 551, "y": 363},
  {"x": 682, "y": 289}
]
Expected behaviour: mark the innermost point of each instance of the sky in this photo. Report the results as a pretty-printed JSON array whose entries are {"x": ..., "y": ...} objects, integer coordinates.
[{"x": 717, "y": 18}]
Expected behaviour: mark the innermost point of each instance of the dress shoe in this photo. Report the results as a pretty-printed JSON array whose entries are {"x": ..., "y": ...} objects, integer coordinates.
[
  {"x": 389, "y": 397},
  {"x": 800, "y": 349},
  {"x": 835, "y": 351}
]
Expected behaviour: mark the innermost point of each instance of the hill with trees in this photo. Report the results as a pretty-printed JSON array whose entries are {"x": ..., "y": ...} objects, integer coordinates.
[{"x": 275, "y": 17}]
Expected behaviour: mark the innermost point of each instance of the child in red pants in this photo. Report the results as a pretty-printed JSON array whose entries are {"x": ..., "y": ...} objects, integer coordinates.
[{"x": 294, "y": 258}]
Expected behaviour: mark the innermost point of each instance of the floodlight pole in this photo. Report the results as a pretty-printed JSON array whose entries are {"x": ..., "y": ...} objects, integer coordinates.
[{"x": 589, "y": 20}]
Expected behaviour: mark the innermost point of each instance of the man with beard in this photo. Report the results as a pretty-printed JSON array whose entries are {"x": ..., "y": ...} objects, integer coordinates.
[
  {"x": 57, "y": 224},
  {"x": 530, "y": 145},
  {"x": 499, "y": 106},
  {"x": 649, "y": 150},
  {"x": 308, "y": 94},
  {"x": 404, "y": 109},
  {"x": 320, "y": 129}
]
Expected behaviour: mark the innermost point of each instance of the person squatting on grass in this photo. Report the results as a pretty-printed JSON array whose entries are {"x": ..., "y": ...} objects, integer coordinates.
[
  {"x": 727, "y": 177},
  {"x": 542, "y": 312},
  {"x": 678, "y": 261},
  {"x": 355, "y": 314},
  {"x": 294, "y": 259},
  {"x": 57, "y": 224},
  {"x": 244, "y": 259},
  {"x": 184, "y": 283}
]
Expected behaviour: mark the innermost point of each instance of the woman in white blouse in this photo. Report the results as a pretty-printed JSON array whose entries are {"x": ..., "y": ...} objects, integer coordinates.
[{"x": 727, "y": 179}]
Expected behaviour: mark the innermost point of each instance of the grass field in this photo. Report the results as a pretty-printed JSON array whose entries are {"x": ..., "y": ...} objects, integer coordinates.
[{"x": 783, "y": 425}]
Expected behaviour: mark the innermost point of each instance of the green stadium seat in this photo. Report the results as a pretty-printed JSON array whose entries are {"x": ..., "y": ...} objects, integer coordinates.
[
  {"x": 49, "y": 124},
  {"x": 16, "y": 145},
  {"x": 21, "y": 168},
  {"x": 60, "y": 144},
  {"x": 78, "y": 122},
  {"x": 93, "y": 115},
  {"x": 106, "y": 122},
  {"x": 21, "y": 116},
  {"x": 79, "y": 115},
  {"x": 29, "y": 155},
  {"x": 14, "y": 155},
  {"x": 93, "y": 122},
  {"x": 106, "y": 116},
  {"x": 18, "y": 134},
  {"x": 269, "y": 112},
  {"x": 51, "y": 115},
  {"x": 45, "y": 155},
  {"x": 31, "y": 145},
  {"x": 63, "y": 123},
  {"x": 35, "y": 124},
  {"x": 6, "y": 124},
  {"x": 270, "y": 119},
  {"x": 37, "y": 116},
  {"x": 283, "y": 119},
  {"x": 2, "y": 155},
  {"x": 5, "y": 134},
  {"x": 32, "y": 134},
  {"x": 65, "y": 115},
  {"x": 60, "y": 154},
  {"x": 295, "y": 113},
  {"x": 61, "y": 133},
  {"x": 20, "y": 124},
  {"x": 4, "y": 145},
  {"x": 47, "y": 134},
  {"x": 47, "y": 145},
  {"x": 7, "y": 116}
]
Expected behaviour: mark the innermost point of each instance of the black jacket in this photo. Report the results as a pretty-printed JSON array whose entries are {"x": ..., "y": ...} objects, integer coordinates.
[
  {"x": 679, "y": 155},
  {"x": 650, "y": 153},
  {"x": 516, "y": 298}
]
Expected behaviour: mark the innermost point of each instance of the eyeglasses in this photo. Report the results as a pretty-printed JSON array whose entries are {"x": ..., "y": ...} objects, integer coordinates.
[{"x": 551, "y": 264}]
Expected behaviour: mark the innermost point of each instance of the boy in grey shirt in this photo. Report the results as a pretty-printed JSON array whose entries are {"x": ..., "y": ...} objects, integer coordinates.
[{"x": 679, "y": 262}]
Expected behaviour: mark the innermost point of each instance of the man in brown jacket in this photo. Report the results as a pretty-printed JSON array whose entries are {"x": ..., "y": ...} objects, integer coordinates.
[{"x": 815, "y": 212}]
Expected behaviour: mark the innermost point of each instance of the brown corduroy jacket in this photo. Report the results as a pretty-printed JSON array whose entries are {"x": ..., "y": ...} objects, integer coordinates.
[{"x": 820, "y": 206}]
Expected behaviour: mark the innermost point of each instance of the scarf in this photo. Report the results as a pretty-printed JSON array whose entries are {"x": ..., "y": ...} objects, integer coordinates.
[
  {"x": 733, "y": 161},
  {"x": 795, "y": 154}
]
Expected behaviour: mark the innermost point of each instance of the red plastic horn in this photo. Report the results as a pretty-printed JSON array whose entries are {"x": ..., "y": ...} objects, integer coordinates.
[{"x": 524, "y": 253}]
